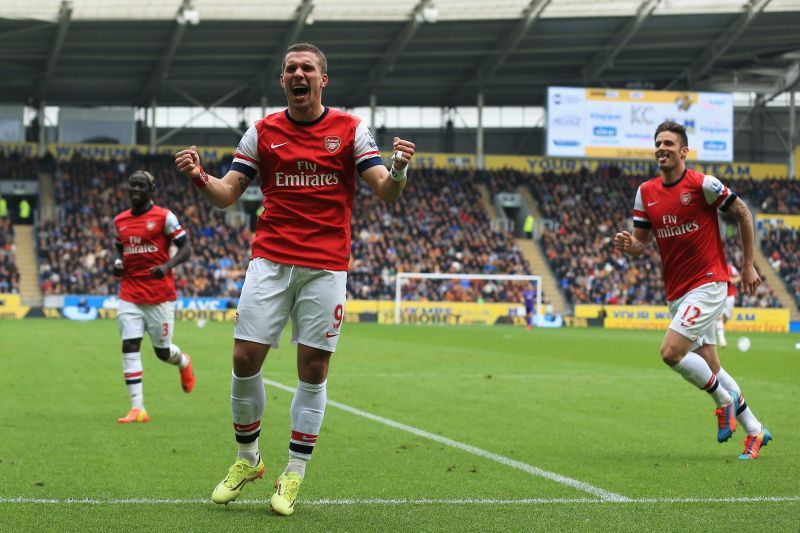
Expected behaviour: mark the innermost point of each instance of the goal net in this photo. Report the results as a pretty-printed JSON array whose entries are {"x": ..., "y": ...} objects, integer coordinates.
[{"x": 428, "y": 298}]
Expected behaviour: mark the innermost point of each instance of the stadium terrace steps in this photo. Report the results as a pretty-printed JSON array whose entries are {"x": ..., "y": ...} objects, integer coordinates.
[
  {"x": 539, "y": 265},
  {"x": 47, "y": 203},
  {"x": 28, "y": 268},
  {"x": 486, "y": 200},
  {"x": 775, "y": 282},
  {"x": 533, "y": 207},
  {"x": 550, "y": 290}
]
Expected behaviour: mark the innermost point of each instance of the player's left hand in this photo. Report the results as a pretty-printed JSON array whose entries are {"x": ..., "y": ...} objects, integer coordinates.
[
  {"x": 159, "y": 271},
  {"x": 188, "y": 162},
  {"x": 402, "y": 152},
  {"x": 750, "y": 279}
]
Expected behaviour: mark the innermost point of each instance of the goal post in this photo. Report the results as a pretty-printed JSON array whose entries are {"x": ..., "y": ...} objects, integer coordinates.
[{"x": 402, "y": 277}]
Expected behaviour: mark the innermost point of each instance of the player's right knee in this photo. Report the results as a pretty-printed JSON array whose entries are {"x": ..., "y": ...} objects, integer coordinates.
[
  {"x": 247, "y": 362},
  {"x": 131, "y": 345},
  {"x": 670, "y": 355}
]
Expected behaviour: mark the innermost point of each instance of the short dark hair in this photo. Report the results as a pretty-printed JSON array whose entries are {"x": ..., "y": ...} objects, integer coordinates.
[
  {"x": 307, "y": 47},
  {"x": 674, "y": 127},
  {"x": 146, "y": 175}
]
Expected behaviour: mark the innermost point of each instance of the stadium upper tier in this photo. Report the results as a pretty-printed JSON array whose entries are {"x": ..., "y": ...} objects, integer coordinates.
[
  {"x": 407, "y": 53},
  {"x": 363, "y": 10}
]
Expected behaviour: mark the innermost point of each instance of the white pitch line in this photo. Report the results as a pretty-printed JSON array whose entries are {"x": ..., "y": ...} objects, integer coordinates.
[
  {"x": 525, "y": 467},
  {"x": 399, "y": 502}
]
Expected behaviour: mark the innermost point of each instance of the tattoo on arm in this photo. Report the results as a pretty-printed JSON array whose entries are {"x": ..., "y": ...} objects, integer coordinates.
[
  {"x": 244, "y": 182},
  {"x": 740, "y": 211}
]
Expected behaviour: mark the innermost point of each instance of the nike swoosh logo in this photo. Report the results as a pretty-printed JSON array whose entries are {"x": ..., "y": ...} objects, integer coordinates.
[
  {"x": 273, "y": 145},
  {"x": 651, "y": 204},
  {"x": 329, "y": 335},
  {"x": 307, "y": 439}
]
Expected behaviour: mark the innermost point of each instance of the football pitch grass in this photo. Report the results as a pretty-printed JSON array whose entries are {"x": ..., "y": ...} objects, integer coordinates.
[{"x": 427, "y": 429}]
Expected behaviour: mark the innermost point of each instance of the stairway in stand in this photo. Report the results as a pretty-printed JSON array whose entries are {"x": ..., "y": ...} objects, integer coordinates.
[
  {"x": 775, "y": 282},
  {"x": 27, "y": 265}
]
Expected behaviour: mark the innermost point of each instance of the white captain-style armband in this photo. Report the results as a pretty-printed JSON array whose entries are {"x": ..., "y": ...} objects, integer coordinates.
[{"x": 398, "y": 175}]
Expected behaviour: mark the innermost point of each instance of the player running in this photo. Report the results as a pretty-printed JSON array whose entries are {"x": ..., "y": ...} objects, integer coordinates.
[
  {"x": 308, "y": 157},
  {"x": 680, "y": 208},
  {"x": 147, "y": 289},
  {"x": 730, "y": 301}
]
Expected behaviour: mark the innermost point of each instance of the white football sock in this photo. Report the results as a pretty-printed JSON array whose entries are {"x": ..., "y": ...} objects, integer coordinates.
[
  {"x": 176, "y": 357},
  {"x": 743, "y": 413},
  {"x": 696, "y": 371},
  {"x": 132, "y": 372},
  {"x": 308, "y": 410},
  {"x": 247, "y": 405}
]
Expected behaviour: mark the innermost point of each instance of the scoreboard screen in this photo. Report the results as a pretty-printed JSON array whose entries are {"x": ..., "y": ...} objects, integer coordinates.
[{"x": 620, "y": 123}]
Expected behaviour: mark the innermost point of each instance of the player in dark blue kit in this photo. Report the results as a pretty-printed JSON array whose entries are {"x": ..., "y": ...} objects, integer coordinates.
[{"x": 530, "y": 302}]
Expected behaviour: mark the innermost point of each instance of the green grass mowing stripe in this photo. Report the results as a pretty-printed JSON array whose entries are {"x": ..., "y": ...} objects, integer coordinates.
[{"x": 558, "y": 478}]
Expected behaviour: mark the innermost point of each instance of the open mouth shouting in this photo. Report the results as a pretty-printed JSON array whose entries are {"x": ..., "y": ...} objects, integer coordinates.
[{"x": 299, "y": 91}]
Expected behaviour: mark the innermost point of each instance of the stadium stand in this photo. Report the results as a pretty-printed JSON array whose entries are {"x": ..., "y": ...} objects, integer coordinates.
[
  {"x": 9, "y": 276},
  {"x": 74, "y": 249},
  {"x": 440, "y": 226},
  {"x": 780, "y": 247},
  {"x": 582, "y": 210}
]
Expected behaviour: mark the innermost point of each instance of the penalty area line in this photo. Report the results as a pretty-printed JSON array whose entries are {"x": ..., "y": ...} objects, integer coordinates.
[
  {"x": 519, "y": 465},
  {"x": 399, "y": 502}
]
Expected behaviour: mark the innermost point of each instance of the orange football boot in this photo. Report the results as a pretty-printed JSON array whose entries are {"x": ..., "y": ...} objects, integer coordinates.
[
  {"x": 187, "y": 375},
  {"x": 134, "y": 415}
]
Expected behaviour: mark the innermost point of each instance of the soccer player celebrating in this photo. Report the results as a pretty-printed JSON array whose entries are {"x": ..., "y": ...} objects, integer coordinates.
[
  {"x": 307, "y": 157},
  {"x": 147, "y": 289},
  {"x": 727, "y": 311},
  {"x": 680, "y": 208}
]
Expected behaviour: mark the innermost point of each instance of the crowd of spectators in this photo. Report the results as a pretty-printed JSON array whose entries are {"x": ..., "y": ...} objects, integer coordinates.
[
  {"x": 9, "y": 276},
  {"x": 75, "y": 249},
  {"x": 439, "y": 226},
  {"x": 17, "y": 166},
  {"x": 774, "y": 195},
  {"x": 584, "y": 209},
  {"x": 780, "y": 246}
]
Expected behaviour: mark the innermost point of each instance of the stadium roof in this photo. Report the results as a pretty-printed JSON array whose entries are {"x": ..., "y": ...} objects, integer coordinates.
[{"x": 406, "y": 52}]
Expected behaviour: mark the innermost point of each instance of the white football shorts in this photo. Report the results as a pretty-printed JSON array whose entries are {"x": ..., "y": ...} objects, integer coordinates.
[
  {"x": 157, "y": 319},
  {"x": 273, "y": 293},
  {"x": 694, "y": 315},
  {"x": 729, "y": 303}
]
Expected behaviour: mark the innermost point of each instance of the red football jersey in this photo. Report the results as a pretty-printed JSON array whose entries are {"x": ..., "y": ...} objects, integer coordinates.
[
  {"x": 145, "y": 240},
  {"x": 308, "y": 172},
  {"x": 683, "y": 217}
]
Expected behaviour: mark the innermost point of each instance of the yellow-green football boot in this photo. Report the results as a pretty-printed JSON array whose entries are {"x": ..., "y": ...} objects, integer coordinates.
[
  {"x": 287, "y": 487},
  {"x": 238, "y": 476}
]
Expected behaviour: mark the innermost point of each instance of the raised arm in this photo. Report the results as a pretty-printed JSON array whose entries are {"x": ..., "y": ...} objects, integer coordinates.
[
  {"x": 220, "y": 192},
  {"x": 750, "y": 278},
  {"x": 387, "y": 184}
]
